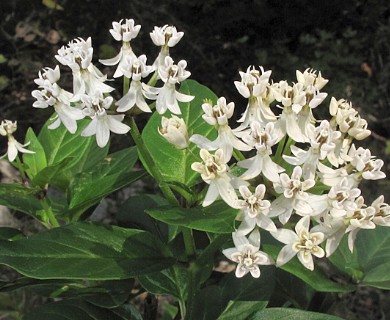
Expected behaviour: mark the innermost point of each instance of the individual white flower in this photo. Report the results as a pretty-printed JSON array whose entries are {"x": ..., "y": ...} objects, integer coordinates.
[
  {"x": 102, "y": 123},
  {"x": 86, "y": 77},
  {"x": 53, "y": 95},
  {"x": 218, "y": 115},
  {"x": 175, "y": 131},
  {"x": 323, "y": 143},
  {"x": 342, "y": 198},
  {"x": 382, "y": 212},
  {"x": 253, "y": 86},
  {"x": 165, "y": 37},
  {"x": 309, "y": 78},
  {"x": 294, "y": 196},
  {"x": 262, "y": 139},
  {"x": 214, "y": 171},
  {"x": 247, "y": 254},
  {"x": 302, "y": 243},
  {"x": 134, "y": 69},
  {"x": 255, "y": 210},
  {"x": 365, "y": 164},
  {"x": 7, "y": 128},
  {"x": 124, "y": 32},
  {"x": 167, "y": 97}
]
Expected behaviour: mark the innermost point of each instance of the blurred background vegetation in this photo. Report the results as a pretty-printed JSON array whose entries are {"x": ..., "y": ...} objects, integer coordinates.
[{"x": 349, "y": 41}]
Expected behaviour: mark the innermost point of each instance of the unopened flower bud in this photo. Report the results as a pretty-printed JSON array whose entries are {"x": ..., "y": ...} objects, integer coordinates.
[{"x": 174, "y": 130}]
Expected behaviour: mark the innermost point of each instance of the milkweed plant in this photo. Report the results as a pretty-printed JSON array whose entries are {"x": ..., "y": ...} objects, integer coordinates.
[{"x": 246, "y": 215}]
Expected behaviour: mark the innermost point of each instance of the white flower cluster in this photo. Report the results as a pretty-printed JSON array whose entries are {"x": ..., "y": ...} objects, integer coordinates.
[
  {"x": 91, "y": 96},
  {"x": 280, "y": 188}
]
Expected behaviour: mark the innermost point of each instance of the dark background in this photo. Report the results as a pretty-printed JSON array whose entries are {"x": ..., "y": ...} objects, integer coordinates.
[{"x": 348, "y": 41}]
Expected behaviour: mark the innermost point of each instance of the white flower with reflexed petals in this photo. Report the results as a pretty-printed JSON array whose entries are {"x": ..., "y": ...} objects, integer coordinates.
[
  {"x": 167, "y": 97},
  {"x": 102, "y": 123},
  {"x": 7, "y": 128},
  {"x": 165, "y": 37},
  {"x": 255, "y": 210},
  {"x": 124, "y": 32},
  {"x": 262, "y": 139},
  {"x": 227, "y": 140},
  {"x": 214, "y": 171},
  {"x": 134, "y": 69},
  {"x": 302, "y": 243},
  {"x": 247, "y": 254}
]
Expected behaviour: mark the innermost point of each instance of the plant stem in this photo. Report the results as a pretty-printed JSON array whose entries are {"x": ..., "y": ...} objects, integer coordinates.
[
  {"x": 279, "y": 150},
  {"x": 238, "y": 155},
  {"x": 149, "y": 162},
  {"x": 287, "y": 149},
  {"x": 126, "y": 85},
  {"x": 49, "y": 212},
  {"x": 20, "y": 167},
  {"x": 153, "y": 79}
]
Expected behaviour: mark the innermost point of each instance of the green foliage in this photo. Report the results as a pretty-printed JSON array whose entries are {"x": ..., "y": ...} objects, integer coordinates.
[
  {"x": 175, "y": 164},
  {"x": 86, "y": 251},
  {"x": 291, "y": 314}
]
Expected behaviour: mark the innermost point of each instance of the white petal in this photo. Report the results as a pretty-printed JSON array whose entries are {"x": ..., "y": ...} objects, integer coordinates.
[
  {"x": 285, "y": 236},
  {"x": 211, "y": 195},
  {"x": 102, "y": 133},
  {"x": 285, "y": 255}
]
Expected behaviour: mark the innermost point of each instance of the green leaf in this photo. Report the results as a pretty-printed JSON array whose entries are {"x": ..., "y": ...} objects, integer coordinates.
[
  {"x": 132, "y": 214},
  {"x": 114, "y": 173},
  {"x": 216, "y": 218},
  {"x": 316, "y": 278},
  {"x": 59, "y": 144},
  {"x": 173, "y": 163},
  {"x": 35, "y": 162},
  {"x": 80, "y": 310},
  {"x": 52, "y": 4},
  {"x": 241, "y": 309},
  {"x": 290, "y": 314},
  {"x": 215, "y": 300},
  {"x": 20, "y": 198},
  {"x": 10, "y": 233},
  {"x": 370, "y": 262},
  {"x": 50, "y": 174},
  {"x": 169, "y": 281},
  {"x": 86, "y": 251}
]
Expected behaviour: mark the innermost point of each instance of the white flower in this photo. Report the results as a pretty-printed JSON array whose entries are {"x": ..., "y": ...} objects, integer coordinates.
[
  {"x": 164, "y": 37},
  {"x": 302, "y": 243},
  {"x": 102, "y": 123},
  {"x": 382, "y": 212},
  {"x": 135, "y": 69},
  {"x": 53, "y": 95},
  {"x": 86, "y": 77},
  {"x": 122, "y": 32},
  {"x": 7, "y": 128},
  {"x": 310, "y": 78},
  {"x": 253, "y": 86},
  {"x": 167, "y": 97},
  {"x": 218, "y": 115},
  {"x": 255, "y": 210},
  {"x": 175, "y": 131},
  {"x": 262, "y": 139},
  {"x": 247, "y": 254},
  {"x": 323, "y": 143},
  {"x": 293, "y": 197},
  {"x": 214, "y": 171}
]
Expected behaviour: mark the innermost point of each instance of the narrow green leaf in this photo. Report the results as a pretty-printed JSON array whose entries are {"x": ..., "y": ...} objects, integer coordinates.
[
  {"x": 50, "y": 174},
  {"x": 86, "y": 251},
  {"x": 216, "y": 218},
  {"x": 171, "y": 281},
  {"x": 290, "y": 314},
  {"x": 34, "y": 162},
  {"x": 316, "y": 278},
  {"x": 241, "y": 309},
  {"x": 10, "y": 234},
  {"x": 175, "y": 164},
  {"x": 74, "y": 309},
  {"x": 20, "y": 198}
]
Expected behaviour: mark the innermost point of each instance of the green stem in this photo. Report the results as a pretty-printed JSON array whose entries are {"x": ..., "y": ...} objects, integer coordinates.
[
  {"x": 147, "y": 158},
  {"x": 287, "y": 149},
  {"x": 153, "y": 79},
  {"x": 279, "y": 150},
  {"x": 20, "y": 167},
  {"x": 49, "y": 212},
  {"x": 238, "y": 155},
  {"x": 189, "y": 243},
  {"x": 126, "y": 85}
]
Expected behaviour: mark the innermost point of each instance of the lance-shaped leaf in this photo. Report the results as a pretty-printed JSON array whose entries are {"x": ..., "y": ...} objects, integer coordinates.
[
  {"x": 216, "y": 218},
  {"x": 36, "y": 161},
  {"x": 86, "y": 251},
  {"x": 173, "y": 163},
  {"x": 290, "y": 314}
]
